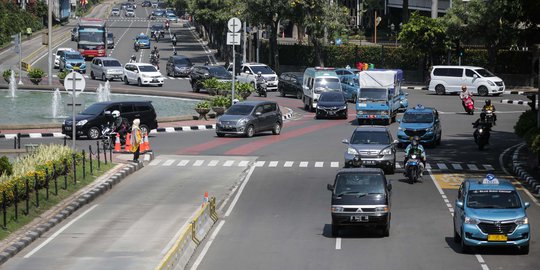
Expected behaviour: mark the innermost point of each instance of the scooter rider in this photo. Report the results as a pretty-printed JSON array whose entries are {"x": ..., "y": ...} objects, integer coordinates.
[
  {"x": 174, "y": 39},
  {"x": 167, "y": 25},
  {"x": 482, "y": 123},
  {"x": 464, "y": 94},
  {"x": 155, "y": 52},
  {"x": 416, "y": 148},
  {"x": 132, "y": 59},
  {"x": 490, "y": 107},
  {"x": 260, "y": 80},
  {"x": 120, "y": 125}
]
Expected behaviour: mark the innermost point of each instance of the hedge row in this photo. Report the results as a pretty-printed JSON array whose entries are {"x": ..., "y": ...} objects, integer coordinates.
[{"x": 526, "y": 128}]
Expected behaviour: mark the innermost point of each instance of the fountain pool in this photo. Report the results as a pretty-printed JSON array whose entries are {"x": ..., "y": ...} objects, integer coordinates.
[{"x": 35, "y": 107}]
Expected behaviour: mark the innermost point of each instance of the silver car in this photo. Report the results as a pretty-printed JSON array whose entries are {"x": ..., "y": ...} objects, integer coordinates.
[
  {"x": 106, "y": 68},
  {"x": 250, "y": 117},
  {"x": 374, "y": 146}
]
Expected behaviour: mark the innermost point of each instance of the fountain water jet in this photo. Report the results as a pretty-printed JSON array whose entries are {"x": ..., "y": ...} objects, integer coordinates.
[
  {"x": 107, "y": 91},
  {"x": 57, "y": 105},
  {"x": 12, "y": 85}
]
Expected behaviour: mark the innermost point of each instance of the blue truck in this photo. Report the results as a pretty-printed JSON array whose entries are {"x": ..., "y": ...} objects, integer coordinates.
[{"x": 380, "y": 96}]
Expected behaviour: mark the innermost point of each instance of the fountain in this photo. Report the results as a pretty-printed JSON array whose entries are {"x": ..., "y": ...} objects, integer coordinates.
[
  {"x": 57, "y": 105},
  {"x": 12, "y": 85},
  {"x": 107, "y": 91}
]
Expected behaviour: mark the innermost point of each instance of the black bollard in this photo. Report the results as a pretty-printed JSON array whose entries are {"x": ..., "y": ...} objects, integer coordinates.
[
  {"x": 98, "y": 158},
  {"x": 110, "y": 154},
  {"x": 16, "y": 201},
  {"x": 65, "y": 140},
  {"x": 55, "y": 175},
  {"x": 74, "y": 169},
  {"x": 47, "y": 184},
  {"x": 65, "y": 173},
  {"x": 105, "y": 153},
  {"x": 14, "y": 142},
  {"x": 27, "y": 198},
  {"x": 18, "y": 140},
  {"x": 36, "y": 189},
  {"x": 4, "y": 206},
  {"x": 83, "y": 164},
  {"x": 90, "y": 157}
]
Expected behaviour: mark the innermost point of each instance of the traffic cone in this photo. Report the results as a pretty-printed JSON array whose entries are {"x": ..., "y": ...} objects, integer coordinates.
[
  {"x": 147, "y": 142},
  {"x": 117, "y": 146},
  {"x": 142, "y": 147},
  {"x": 127, "y": 147},
  {"x": 205, "y": 199}
]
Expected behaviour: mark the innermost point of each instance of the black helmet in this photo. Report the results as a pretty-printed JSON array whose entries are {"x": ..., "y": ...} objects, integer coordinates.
[
  {"x": 483, "y": 116},
  {"x": 488, "y": 102},
  {"x": 155, "y": 47}
]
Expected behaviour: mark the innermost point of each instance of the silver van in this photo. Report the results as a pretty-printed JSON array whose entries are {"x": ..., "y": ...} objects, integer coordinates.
[
  {"x": 106, "y": 68},
  {"x": 479, "y": 81}
]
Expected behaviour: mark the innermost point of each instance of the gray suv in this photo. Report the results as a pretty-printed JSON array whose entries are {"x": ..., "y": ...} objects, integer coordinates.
[
  {"x": 249, "y": 117},
  {"x": 106, "y": 68},
  {"x": 371, "y": 146}
]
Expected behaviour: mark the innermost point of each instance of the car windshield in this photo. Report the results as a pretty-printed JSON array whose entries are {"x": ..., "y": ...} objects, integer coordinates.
[
  {"x": 499, "y": 199},
  {"x": 182, "y": 61},
  {"x": 147, "y": 69},
  {"x": 327, "y": 84},
  {"x": 142, "y": 38},
  {"x": 373, "y": 93},
  {"x": 484, "y": 72},
  {"x": 240, "y": 110},
  {"x": 129, "y": 10},
  {"x": 157, "y": 27},
  {"x": 109, "y": 35},
  {"x": 331, "y": 97},
  {"x": 111, "y": 63},
  {"x": 370, "y": 137},
  {"x": 73, "y": 56},
  {"x": 262, "y": 69},
  {"x": 94, "y": 109},
  {"x": 417, "y": 117},
  {"x": 219, "y": 72},
  {"x": 115, "y": 9},
  {"x": 359, "y": 184}
]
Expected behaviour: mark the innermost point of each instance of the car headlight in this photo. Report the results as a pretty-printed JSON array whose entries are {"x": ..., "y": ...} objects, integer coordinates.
[
  {"x": 429, "y": 129},
  {"x": 352, "y": 151},
  {"x": 344, "y": 107},
  {"x": 68, "y": 65},
  {"x": 384, "y": 113},
  {"x": 522, "y": 221},
  {"x": 383, "y": 209},
  {"x": 83, "y": 66},
  {"x": 82, "y": 122},
  {"x": 387, "y": 151},
  {"x": 480, "y": 130},
  {"x": 491, "y": 83},
  {"x": 469, "y": 220},
  {"x": 399, "y": 128},
  {"x": 242, "y": 121},
  {"x": 337, "y": 209}
]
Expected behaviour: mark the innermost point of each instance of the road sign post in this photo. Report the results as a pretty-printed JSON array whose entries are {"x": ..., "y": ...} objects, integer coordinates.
[
  {"x": 75, "y": 83},
  {"x": 17, "y": 48},
  {"x": 233, "y": 38}
]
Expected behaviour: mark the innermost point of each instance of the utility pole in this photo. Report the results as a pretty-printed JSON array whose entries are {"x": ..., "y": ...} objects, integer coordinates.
[
  {"x": 49, "y": 45},
  {"x": 245, "y": 43},
  {"x": 435, "y": 8}
]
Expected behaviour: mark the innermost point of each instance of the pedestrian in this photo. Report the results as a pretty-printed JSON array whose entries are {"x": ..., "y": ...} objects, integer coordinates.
[{"x": 136, "y": 138}]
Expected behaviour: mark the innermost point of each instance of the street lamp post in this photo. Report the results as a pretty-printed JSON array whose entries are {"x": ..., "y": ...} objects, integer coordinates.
[{"x": 49, "y": 45}]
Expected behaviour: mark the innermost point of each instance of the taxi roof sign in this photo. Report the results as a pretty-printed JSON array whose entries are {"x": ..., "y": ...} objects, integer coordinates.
[{"x": 493, "y": 181}]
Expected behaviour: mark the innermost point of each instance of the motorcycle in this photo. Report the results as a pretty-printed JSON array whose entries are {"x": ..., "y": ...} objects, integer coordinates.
[
  {"x": 481, "y": 136},
  {"x": 261, "y": 88},
  {"x": 174, "y": 41},
  {"x": 154, "y": 60},
  {"x": 412, "y": 168},
  {"x": 490, "y": 117},
  {"x": 108, "y": 137},
  {"x": 136, "y": 46},
  {"x": 469, "y": 105}
]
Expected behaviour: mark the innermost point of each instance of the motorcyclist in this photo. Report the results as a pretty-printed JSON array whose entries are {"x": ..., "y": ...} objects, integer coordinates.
[
  {"x": 155, "y": 51},
  {"x": 167, "y": 25},
  {"x": 490, "y": 107},
  {"x": 156, "y": 35},
  {"x": 120, "y": 125},
  {"x": 132, "y": 59},
  {"x": 174, "y": 39},
  {"x": 136, "y": 45},
  {"x": 260, "y": 80},
  {"x": 482, "y": 123},
  {"x": 415, "y": 148},
  {"x": 464, "y": 94}
]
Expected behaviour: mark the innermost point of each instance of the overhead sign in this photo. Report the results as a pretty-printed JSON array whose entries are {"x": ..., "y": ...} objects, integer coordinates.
[
  {"x": 234, "y": 24},
  {"x": 233, "y": 38},
  {"x": 74, "y": 82}
]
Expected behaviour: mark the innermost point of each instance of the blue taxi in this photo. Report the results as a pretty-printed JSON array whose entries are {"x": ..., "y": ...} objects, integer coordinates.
[
  {"x": 144, "y": 41},
  {"x": 490, "y": 212},
  {"x": 420, "y": 121}
]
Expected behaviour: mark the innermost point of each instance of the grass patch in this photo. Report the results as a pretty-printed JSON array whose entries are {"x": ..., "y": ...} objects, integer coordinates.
[{"x": 45, "y": 204}]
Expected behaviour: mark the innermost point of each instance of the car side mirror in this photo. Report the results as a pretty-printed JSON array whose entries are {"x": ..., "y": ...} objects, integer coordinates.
[
  {"x": 345, "y": 141},
  {"x": 351, "y": 84},
  {"x": 527, "y": 204},
  {"x": 475, "y": 76},
  {"x": 206, "y": 74},
  {"x": 107, "y": 112},
  {"x": 100, "y": 65},
  {"x": 258, "y": 113},
  {"x": 330, "y": 187},
  {"x": 389, "y": 187},
  {"x": 459, "y": 204},
  {"x": 395, "y": 141},
  {"x": 247, "y": 72}
]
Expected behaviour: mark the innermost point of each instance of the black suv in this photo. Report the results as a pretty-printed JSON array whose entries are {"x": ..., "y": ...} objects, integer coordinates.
[
  {"x": 290, "y": 83},
  {"x": 90, "y": 121},
  {"x": 200, "y": 73},
  {"x": 249, "y": 117},
  {"x": 361, "y": 198}
]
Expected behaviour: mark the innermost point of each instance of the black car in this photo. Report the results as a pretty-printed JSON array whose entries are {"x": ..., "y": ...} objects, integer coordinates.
[
  {"x": 158, "y": 27},
  {"x": 178, "y": 65},
  {"x": 290, "y": 83},
  {"x": 110, "y": 40},
  {"x": 90, "y": 121},
  {"x": 250, "y": 117},
  {"x": 360, "y": 198},
  {"x": 331, "y": 104},
  {"x": 200, "y": 73},
  {"x": 146, "y": 4}
]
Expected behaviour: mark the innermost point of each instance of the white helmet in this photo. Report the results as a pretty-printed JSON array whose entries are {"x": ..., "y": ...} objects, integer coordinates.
[
  {"x": 259, "y": 73},
  {"x": 116, "y": 113}
]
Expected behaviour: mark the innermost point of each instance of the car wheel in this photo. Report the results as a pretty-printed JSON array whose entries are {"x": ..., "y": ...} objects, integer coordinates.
[
  {"x": 281, "y": 93},
  {"x": 160, "y": 85},
  {"x": 250, "y": 131},
  {"x": 483, "y": 91},
  {"x": 219, "y": 134},
  {"x": 93, "y": 133},
  {"x": 103, "y": 77},
  {"x": 144, "y": 129},
  {"x": 439, "y": 89},
  {"x": 439, "y": 139},
  {"x": 457, "y": 238},
  {"x": 386, "y": 230},
  {"x": 299, "y": 94},
  {"x": 317, "y": 115},
  {"x": 335, "y": 230},
  {"x": 276, "y": 130},
  {"x": 126, "y": 82},
  {"x": 139, "y": 82},
  {"x": 392, "y": 168},
  {"x": 465, "y": 249},
  {"x": 92, "y": 75}
]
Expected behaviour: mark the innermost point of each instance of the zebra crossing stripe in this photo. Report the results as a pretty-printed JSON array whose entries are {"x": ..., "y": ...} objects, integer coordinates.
[
  {"x": 183, "y": 162},
  {"x": 273, "y": 164},
  {"x": 155, "y": 162},
  {"x": 168, "y": 162},
  {"x": 442, "y": 166},
  {"x": 243, "y": 163},
  {"x": 319, "y": 164},
  {"x": 198, "y": 163},
  {"x": 213, "y": 163},
  {"x": 304, "y": 164},
  {"x": 259, "y": 163},
  {"x": 334, "y": 164},
  {"x": 472, "y": 167},
  {"x": 288, "y": 164},
  {"x": 488, "y": 167},
  {"x": 457, "y": 166},
  {"x": 228, "y": 163}
]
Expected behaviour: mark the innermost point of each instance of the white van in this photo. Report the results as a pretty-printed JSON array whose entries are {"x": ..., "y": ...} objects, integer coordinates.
[
  {"x": 318, "y": 80},
  {"x": 449, "y": 79}
]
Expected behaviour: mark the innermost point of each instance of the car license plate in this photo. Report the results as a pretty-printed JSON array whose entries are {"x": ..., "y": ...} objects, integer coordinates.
[
  {"x": 154, "y": 81},
  {"x": 359, "y": 218},
  {"x": 68, "y": 127},
  {"x": 368, "y": 162},
  {"x": 91, "y": 55},
  {"x": 76, "y": 68},
  {"x": 497, "y": 238}
]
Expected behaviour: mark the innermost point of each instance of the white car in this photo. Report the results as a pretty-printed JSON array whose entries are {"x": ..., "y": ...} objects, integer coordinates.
[
  {"x": 58, "y": 55},
  {"x": 142, "y": 74},
  {"x": 248, "y": 74},
  {"x": 130, "y": 12}
]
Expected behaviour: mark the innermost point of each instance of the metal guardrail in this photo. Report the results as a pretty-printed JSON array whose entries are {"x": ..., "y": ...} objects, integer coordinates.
[{"x": 185, "y": 245}]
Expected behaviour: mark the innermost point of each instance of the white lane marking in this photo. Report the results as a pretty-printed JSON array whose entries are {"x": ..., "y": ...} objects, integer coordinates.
[
  {"x": 244, "y": 183},
  {"x": 428, "y": 166},
  {"x": 213, "y": 163},
  {"x": 488, "y": 167},
  {"x": 228, "y": 163},
  {"x": 243, "y": 163},
  {"x": 319, "y": 164},
  {"x": 304, "y": 164},
  {"x": 155, "y": 162},
  {"x": 472, "y": 167},
  {"x": 120, "y": 38},
  {"x": 442, "y": 166},
  {"x": 168, "y": 162},
  {"x": 273, "y": 164},
  {"x": 259, "y": 163},
  {"x": 457, "y": 166},
  {"x": 479, "y": 258},
  {"x": 338, "y": 243},
  {"x": 334, "y": 164},
  {"x": 207, "y": 246},
  {"x": 288, "y": 164},
  {"x": 59, "y": 232},
  {"x": 183, "y": 162},
  {"x": 198, "y": 162},
  {"x": 534, "y": 200}
]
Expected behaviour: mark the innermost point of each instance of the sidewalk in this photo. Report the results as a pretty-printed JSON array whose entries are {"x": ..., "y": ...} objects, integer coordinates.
[{"x": 526, "y": 167}]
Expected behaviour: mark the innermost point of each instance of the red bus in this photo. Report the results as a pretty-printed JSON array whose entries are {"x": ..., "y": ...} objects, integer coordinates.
[{"x": 92, "y": 37}]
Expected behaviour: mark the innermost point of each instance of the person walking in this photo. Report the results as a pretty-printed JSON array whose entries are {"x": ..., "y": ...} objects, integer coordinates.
[{"x": 136, "y": 138}]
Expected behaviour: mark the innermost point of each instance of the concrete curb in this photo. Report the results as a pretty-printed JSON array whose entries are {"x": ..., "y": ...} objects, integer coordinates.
[
  {"x": 516, "y": 102},
  {"x": 414, "y": 87},
  {"x": 38, "y": 230},
  {"x": 523, "y": 176}
]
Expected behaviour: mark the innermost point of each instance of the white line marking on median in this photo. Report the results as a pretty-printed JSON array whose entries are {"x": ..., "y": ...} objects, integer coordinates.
[
  {"x": 243, "y": 163},
  {"x": 288, "y": 164},
  {"x": 472, "y": 167},
  {"x": 207, "y": 245},
  {"x": 304, "y": 164},
  {"x": 198, "y": 163},
  {"x": 59, "y": 232},
  {"x": 228, "y": 163},
  {"x": 168, "y": 162},
  {"x": 233, "y": 203},
  {"x": 319, "y": 164},
  {"x": 338, "y": 243},
  {"x": 334, "y": 164},
  {"x": 183, "y": 163},
  {"x": 213, "y": 163},
  {"x": 273, "y": 164}
]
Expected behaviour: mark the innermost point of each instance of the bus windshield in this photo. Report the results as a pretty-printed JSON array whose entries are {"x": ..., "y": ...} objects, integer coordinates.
[{"x": 95, "y": 37}]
